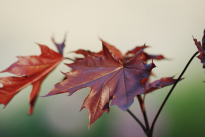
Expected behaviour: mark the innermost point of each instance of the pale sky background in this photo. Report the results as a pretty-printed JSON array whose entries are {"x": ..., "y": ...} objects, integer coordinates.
[{"x": 166, "y": 26}]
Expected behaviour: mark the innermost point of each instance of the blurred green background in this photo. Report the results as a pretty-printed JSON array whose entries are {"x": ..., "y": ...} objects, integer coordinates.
[{"x": 166, "y": 26}]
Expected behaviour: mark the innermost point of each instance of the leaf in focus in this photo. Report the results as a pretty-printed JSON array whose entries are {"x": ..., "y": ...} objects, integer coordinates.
[
  {"x": 109, "y": 79},
  {"x": 201, "y": 49},
  {"x": 31, "y": 70}
]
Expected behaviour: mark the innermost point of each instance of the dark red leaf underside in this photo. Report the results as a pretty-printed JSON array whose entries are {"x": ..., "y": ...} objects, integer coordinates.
[
  {"x": 136, "y": 49},
  {"x": 163, "y": 82},
  {"x": 146, "y": 57},
  {"x": 201, "y": 49},
  {"x": 108, "y": 78}
]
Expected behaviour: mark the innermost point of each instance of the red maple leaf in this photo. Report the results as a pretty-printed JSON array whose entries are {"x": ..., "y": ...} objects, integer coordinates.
[
  {"x": 201, "y": 49},
  {"x": 157, "y": 84},
  {"x": 32, "y": 70},
  {"x": 108, "y": 78}
]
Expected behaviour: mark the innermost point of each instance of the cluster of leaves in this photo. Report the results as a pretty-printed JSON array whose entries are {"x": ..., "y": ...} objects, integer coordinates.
[{"x": 111, "y": 75}]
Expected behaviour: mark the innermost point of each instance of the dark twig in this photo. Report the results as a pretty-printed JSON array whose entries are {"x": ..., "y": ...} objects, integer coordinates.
[
  {"x": 142, "y": 106},
  {"x": 69, "y": 59},
  {"x": 155, "y": 119},
  {"x": 140, "y": 123}
]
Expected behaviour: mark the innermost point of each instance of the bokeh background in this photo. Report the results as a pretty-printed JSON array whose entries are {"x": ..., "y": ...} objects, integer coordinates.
[{"x": 166, "y": 26}]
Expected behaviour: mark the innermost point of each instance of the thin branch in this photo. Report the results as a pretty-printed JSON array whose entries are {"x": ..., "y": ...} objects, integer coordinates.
[
  {"x": 142, "y": 106},
  {"x": 69, "y": 59},
  {"x": 144, "y": 97},
  {"x": 155, "y": 119},
  {"x": 139, "y": 122}
]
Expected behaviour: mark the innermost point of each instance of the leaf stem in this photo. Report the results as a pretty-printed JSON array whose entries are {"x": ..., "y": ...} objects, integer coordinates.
[
  {"x": 157, "y": 115},
  {"x": 142, "y": 106},
  {"x": 69, "y": 59},
  {"x": 139, "y": 122}
]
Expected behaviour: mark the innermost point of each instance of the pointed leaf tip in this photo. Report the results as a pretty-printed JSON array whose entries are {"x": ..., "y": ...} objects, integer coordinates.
[
  {"x": 116, "y": 52},
  {"x": 60, "y": 46},
  {"x": 31, "y": 111},
  {"x": 160, "y": 83}
]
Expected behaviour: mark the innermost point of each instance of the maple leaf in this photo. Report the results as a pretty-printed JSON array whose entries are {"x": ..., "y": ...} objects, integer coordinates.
[
  {"x": 201, "y": 49},
  {"x": 109, "y": 79},
  {"x": 32, "y": 70},
  {"x": 163, "y": 82}
]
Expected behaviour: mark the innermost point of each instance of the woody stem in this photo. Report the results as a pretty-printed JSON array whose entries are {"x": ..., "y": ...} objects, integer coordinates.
[
  {"x": 165, "y": 100},
  {"x": 142, "y": 106},
  {"x": 139, "y": 122},
  {"x": 69, "y": 59}
]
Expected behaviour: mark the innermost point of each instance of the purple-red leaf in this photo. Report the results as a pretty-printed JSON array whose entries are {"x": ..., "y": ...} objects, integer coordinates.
[
  {"x": 85, "y": 53},
  {"x": 108, "y": 78},
  {"x": 145, "y": 56},
  {"x": 163, "y": 82},
  {"x": 201, "y": 49},
  {"x": 60, "y": 46},
  {"x": 34, "y": 69},
  {"x": 123, "y": 58},
  {"x": 136, "y": 49},
  {"x": 112, "y": 48}
]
